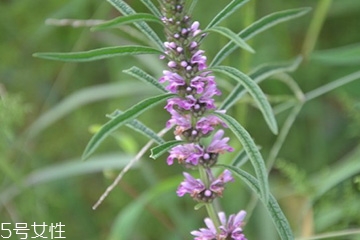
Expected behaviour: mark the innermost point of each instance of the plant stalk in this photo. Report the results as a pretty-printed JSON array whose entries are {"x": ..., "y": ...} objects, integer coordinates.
[{"x": 315, "y": 27}]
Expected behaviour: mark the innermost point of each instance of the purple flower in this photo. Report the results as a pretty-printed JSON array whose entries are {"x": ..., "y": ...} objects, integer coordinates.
[
  {"x": 181, "y": 120},
  {"x": 198, "y": 83},
  {"x": 199, "y": 59},
  {"x": 229, "y": 229},
  {"x": 174, "y": 79},
  {"x": 198, "y": 191},
  {"x": 218, "y": 185},
  {"x": 206, "y": 233},
  {"x": 185, "y": 104},
  {"x": 190, "y": 185},
  {"x": 219, "y": 144},
  {"x": 195, "y": 28},
  {"x": 188, "y": 154},
  {"x": 206, "y": 124}
]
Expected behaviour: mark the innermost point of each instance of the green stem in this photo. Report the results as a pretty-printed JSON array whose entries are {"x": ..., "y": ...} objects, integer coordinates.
[
  {"x": 315, "y": 27},
  {"x": 210, "y": 208},
  {"x": 249, "y": 18},
  {"x": 245, "y": 59},
  {"x": 213, "y": 215}
]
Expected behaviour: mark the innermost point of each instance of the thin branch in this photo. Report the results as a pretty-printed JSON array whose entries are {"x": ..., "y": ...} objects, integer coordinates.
[{"x": 126, "y": 168}]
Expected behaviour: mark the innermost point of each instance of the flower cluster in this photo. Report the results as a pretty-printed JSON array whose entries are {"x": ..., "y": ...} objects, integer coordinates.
[{"x": 192, "y": 110}]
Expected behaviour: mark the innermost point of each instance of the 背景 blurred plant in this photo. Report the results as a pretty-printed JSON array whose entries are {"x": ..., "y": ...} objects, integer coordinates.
[{"x": 192, "y": 86}]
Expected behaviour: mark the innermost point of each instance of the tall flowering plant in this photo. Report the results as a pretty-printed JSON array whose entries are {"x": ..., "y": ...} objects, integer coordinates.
[
  {"x": 191, "y": 109},
  {"x": 190, "y": 89}
]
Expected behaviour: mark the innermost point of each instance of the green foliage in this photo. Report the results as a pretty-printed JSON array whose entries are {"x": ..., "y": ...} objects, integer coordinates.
[
  {"x": 255, "y": 91},
  {"x": 121, "y": 119},
  {"x": 98, "y": 54},
  {"x": 125, "y": 20},
  {"x": 252, "y": 151},
  {"x": 232, "y": 36}
]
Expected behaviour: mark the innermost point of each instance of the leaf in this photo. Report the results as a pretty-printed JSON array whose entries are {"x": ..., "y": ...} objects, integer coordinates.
[
  {"x": 332, "y": 85},
  {"x": 346, "y": 55},
  {"x": 192, "y": 6},
  {"x": 232, "y": 36},
  {"x": 346, "y": 168},
  {"x": 240, "y": 159},
  {"x": 97, "y": 54},
  {"x": 254, "y": 90},
  {"x": 281, "y": 223},
  {"x": 272, "y": 20},
  {"x": 137, "y": 17},
  {"x": 229, "y": 9},
  {"x": 258, "y": 27},
  {"x": 258, "y": 75},
  {"x": 121, "y": 119},
  {"x": 81, "y": 98},
  {"x": 125, "y": 223},
  {"x": 161, "y": 149},
  {"x": 65, "y": 170},
  {"x": 145, "y": 77},
  {"x": 149, "y": 4},
  {"x": 251, "y": 150},
  {"x": 125, "y": 9},
  {"x": 139, "y": 127}
]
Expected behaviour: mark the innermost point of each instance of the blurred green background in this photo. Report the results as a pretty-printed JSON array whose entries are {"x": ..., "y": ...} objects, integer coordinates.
[{"x": 50, "y": 109}]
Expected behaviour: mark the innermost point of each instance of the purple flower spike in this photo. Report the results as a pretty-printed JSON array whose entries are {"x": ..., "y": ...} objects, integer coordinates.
[
  {"x": 188, "y": 154},
  {"x": 190, "y": 185},
  {"x": 231, "y": 229}
]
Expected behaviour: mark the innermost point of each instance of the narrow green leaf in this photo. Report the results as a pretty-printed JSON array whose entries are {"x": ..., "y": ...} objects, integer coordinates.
[
  {"x": 240, "y": 159},
  {"x": 345, "y": 55},
  {"x": 126, "y": 223},
  {"x": 258, "y": 27},
  {"x": 63, "y": 171},
  {"x": 258, "y": 75},
  {"x": 232, "y": 36},
  {"x": 254, "y": 90},
  {"x": 139, "y": 127},
  {"x": 137, "y": 17},
  {"x": 346, "y": 168},
  {"x": 281, "y": 223},
  {"x": 332, "y": 85},
  {"x": 192, "y": 6},
  {"x": 272, "y": 20},
  {"x": 149, "y": 4},
  {"x": 121, "y": 119},
  {"x": 229, "y": 9},
  {"x": 163, "y": 148},
  {"x": 145, "y": 77},
  {"x": 125, "y": 9},
  {"x": 97, "y": 54},
  {"x": 82, "y": 97},
  {"x": 251, "y": 150}
]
